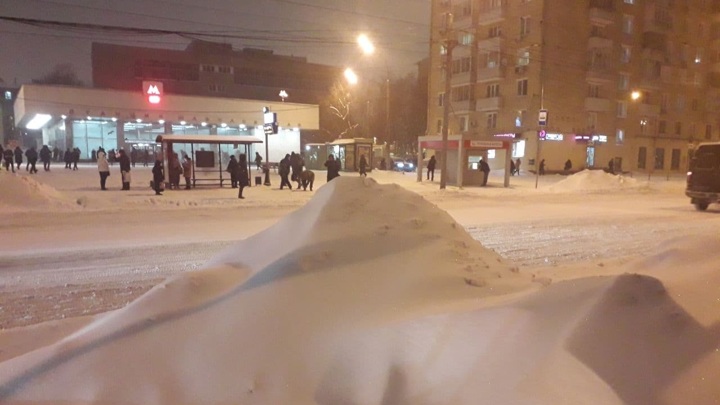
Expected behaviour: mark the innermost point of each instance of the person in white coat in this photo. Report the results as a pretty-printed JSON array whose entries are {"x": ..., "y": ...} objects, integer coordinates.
[{"x": 103, "y": 168}]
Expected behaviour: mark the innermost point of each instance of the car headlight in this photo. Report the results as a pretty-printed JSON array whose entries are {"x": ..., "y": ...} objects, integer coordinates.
[
  {"x": 401, "y": 165},
  {"x": 410, "y": 165}
]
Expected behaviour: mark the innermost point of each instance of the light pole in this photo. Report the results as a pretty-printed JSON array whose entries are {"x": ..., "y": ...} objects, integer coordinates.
[
  {"x": 635, "y": 96},
  {"x": 368, "y": 48}
]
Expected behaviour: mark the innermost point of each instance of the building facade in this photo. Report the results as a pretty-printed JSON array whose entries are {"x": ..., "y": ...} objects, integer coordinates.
[
  {"x": 213, "y": 70},
  {"x": 7, "y": 129},
  {"x": 635, "y": 82}
]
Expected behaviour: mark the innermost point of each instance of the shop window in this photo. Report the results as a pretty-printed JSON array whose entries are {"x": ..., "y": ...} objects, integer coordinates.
[{"x": 518, "y": 149}]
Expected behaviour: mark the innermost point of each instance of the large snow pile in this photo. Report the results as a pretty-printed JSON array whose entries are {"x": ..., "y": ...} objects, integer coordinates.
[
  {"x": 594, "y": 180},
  {"x": 22, "y": 193},
  {"x": 371, "y": 295}
]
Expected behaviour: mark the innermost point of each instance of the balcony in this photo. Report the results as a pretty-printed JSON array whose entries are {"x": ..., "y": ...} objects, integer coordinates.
[
  {"x": 601, "y": 15},
  {"x": 488, "y": 104},
  {"x": 460, "y": 78},
  {"x": 463, "y": 22},
  {"x": 460, "y": 106},
  {"x": 490, "y": 73},
  {"x": 599, "y": 104},
  {"x": 648, "y": 110},
  {"x": 490, "y": 44},
  {"x": 654, "y": 41},
  {"x": 492, "y": 15},
  {"x": 600, "y": 43},
  {"x": 599, "y": 75}
]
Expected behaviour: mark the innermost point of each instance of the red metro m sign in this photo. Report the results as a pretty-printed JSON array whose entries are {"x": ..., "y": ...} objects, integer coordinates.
[{"x": 153, "y": 91}]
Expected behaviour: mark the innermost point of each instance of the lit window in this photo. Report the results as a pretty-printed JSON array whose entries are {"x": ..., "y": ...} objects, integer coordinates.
[
  {"x": 620, "y": 137},
  {"x": 625, "y": 57},
  {"x": 622, "y": 109},
  {"x": 627, "y": 24},
  {"x": 8, "y": 95},
  {"x": 629, "y": 1}
]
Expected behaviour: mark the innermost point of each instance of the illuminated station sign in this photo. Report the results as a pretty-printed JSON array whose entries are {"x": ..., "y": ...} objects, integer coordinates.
[{"x": 153, "y": 91}]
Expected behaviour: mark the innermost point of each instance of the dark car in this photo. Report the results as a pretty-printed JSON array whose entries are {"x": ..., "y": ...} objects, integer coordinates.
[
  {"x": 402, "y": 164},
  {"x": 703, "y": 177}
]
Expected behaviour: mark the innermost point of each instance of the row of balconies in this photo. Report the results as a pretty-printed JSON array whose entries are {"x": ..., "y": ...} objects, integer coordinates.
[{"x": 481, "y": 104}]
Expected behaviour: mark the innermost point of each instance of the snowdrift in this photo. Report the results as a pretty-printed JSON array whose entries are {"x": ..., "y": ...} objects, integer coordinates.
[
  {"x": 22, "y": 193},
  {"x": 594, "y": 180},
  {"x": 371, "y": 295}
]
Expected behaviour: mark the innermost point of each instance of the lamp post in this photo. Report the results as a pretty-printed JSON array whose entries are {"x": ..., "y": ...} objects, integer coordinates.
[
  {"x": 368, "y": 48},
  {"x": 635, "y": 96}
]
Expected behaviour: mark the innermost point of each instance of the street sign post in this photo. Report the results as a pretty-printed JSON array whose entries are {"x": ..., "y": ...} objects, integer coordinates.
[{"x": 542, "y": 118}]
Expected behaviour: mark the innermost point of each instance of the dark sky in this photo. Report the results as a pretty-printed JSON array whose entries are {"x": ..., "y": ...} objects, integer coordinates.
[{"x": 324, "y": 31}]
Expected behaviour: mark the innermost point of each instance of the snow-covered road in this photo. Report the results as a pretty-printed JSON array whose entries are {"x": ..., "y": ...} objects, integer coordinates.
[{"x": 84, "y": 263}]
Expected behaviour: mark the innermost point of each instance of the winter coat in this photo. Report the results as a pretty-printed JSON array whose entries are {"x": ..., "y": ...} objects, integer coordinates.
[
  {"x": 232, "y": 167},
  {"x": 8, "y": 155},
  {"x": 484, "y": 167},
  {"x": 31, "y": 155},
  {"x": 18, "y": 155},
  {"x": 102, "y": 163},
  {"x": 45, "y": 154},
  {"x": 431, "y": 163},
  {"x": 158, "y": 172},
  {"x": 187, "y": 168},
  {"x": 333, "y": 169},
  {"x": 363, "y": 163},
  {"x": 124, "y": 162},
  {"x": 284, "y": 167},
  {"x": 242, "y": 173}
]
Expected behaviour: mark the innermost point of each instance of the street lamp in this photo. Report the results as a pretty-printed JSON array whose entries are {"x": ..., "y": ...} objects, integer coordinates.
[
  {"x": 365, "y": 44},
  {"x": 350, "y": 76},
  {"x": 283, "y": 95},
  {"x": 368, "y": 48}
]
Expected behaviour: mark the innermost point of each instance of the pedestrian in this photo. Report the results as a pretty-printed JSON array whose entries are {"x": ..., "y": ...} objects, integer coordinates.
[
  {"x": 431, "y": 168},
  {"x": 32, "y": 157},
  {"x": 176, "y": 171},
  {"x": 93, "y": 155},
  {"x": 232, "y": 169},
  {"x": 45, "y": 156},
  {"x": 485, "y": 168},
  {"x": 158, "y": 175},
  {"x": 124, "y": 161},
  {"x": 75, "y": 158},
  {"x": 8, "y": 156},
  {"x": 18, "y": 157},
  {"x": 568, "y": 165},
  {"x": 284, "y": 171},
  {"x": 258, "y": 160},
  {"x": 56, "y": 154},
  {"x": 243, "y": 177},
  {"x": 611, "y": 166},
  {"x": 517, "y": 166},
  {"x": 112, "y": 157},
  {"x": 542, "y": 168},
  {"x": 363, "y": 166},
  {"x": 512, "y": 167},
  {"x": 133, "y": 156},
  {"x": 383, "y": 164},
  {"x": 103, "y": 168},
  {"x": 295, "y": 166},
  {"x": 187, "y": 169},
  {"x": 146, "y": 157},
  {"x": 333, "y": 167}
]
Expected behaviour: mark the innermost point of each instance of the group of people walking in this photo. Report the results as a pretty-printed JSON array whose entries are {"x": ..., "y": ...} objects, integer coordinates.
[{"x": 14, "y": 157}]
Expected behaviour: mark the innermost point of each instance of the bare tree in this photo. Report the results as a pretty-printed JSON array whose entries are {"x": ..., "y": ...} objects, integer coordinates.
[
  {"x": 63, "y": 73},
  {"x": 339, "y": 107}
]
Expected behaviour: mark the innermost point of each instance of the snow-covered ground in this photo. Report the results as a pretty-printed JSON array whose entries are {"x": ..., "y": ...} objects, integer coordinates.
[{"x": 592, "y": 289}]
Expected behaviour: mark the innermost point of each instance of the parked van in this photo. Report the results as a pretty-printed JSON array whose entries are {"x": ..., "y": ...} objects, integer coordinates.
[{"x": 703, "y": 177}]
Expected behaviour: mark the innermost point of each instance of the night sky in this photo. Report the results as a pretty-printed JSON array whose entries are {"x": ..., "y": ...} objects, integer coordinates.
[{"x": 324, "y": 31}]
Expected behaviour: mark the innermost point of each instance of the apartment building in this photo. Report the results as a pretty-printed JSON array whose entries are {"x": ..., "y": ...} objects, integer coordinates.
[{"x": 633, "y": 81}]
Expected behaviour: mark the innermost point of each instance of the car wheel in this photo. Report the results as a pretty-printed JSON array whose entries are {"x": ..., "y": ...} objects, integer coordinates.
[{"x": 701, "y": 206}]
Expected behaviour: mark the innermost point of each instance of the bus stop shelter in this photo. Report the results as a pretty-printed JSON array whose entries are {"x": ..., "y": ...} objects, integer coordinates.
[{"x": 208, "y": 169}]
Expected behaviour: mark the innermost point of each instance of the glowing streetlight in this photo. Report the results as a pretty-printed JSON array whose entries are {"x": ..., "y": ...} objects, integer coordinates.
[
  {"x": 350, "y": 76},
  {"x": 365, "y": 44},
  {"x": 283, "y": 95},
  {"x": 635, "y": 95}
]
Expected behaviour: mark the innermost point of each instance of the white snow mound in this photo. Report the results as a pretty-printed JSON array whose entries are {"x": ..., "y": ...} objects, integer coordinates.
[
  {"x": 22, "y": 193},
  {"x": 371, "y": 295},
  {"x": 594, "y": 180}
]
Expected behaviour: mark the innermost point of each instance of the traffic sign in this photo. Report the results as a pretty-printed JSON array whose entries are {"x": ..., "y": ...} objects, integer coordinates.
[
  {"x": 542, "y": 117},
  {"x": 542, "y": 134}
]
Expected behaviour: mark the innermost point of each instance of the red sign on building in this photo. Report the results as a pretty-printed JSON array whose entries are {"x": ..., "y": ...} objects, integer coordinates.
[{"x": 153, "y": 91}]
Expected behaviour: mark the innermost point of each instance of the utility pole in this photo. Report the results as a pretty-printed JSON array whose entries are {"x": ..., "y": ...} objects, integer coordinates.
[{"x": 449, "y": 42}]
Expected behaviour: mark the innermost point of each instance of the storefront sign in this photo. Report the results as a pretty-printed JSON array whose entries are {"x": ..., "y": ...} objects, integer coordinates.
[
  {"x": 509, "y": 135},
  {"x": 582, "y": 138},
  {"x": 554, "y": 137},
  {"x": 599, "y": 138},
  {"x": 270, "y": 125},
  {"x": 486, "y": 144}
]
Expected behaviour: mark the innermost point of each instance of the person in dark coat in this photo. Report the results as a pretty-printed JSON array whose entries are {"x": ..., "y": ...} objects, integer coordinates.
[
  {"x": 133, "y": 156},
  {"x": 362, "y": 165},
  {"x": 158, "y": 176},
  {"x": 243, "y": 176},
  {"x": 124, "y": 161},
  {"x": 56, "y": 154},
  {"x": 18, "y": 156},
  {"x": 284, "y": 171},
  {"x": 541, "y": 172},
  {"x": 32, "y": 157},
  {"x": 8, "y": 156},
  {"x": 93, "y": 155},
  {"x": 75, "y": 158},
  {"x": 232, "y": 169},
  {"x": 611, "y": 166},
  {"x": 103, "y": 168},
  {"x": 112, "y": 156},
  {"x": 333, "y": 167},
  {"x": 485, "y": 168},
  {"x": 295, "y": 166},
  {"x": 146, "y": 157},
  {"x": 45, "y": 156},
  {"x": 175, "y": 171},
  {"x": 512, "y": 167},
  {"x": 258, "y": 160},
  {"x": 187, "y": 169},
  {"x": 431, "y": 168},
  {"x": 568, "y": 165}
]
